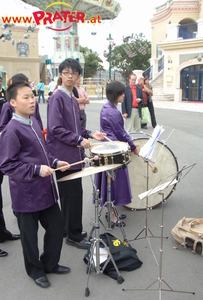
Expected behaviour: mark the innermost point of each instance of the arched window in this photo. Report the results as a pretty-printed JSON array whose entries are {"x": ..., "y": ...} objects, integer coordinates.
[{"x": 187, "y": 29}]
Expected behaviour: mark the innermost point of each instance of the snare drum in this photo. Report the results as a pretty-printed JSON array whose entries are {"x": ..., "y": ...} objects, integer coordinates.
[
  {"x": 111, "y": 153},
  {"x": 166, "y": 163}
]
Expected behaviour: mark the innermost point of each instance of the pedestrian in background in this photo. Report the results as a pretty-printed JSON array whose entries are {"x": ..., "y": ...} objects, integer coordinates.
[
  {"x": 131, "y": 106},
  {"x": 40, "y": 88},
  {"x": 82, "y": 100},
  {"x": 149, "y": 90}
]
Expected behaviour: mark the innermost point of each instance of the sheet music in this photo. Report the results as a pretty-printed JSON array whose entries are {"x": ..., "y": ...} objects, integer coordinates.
[
  {"x": 147, "y": 150},
  {"x": 157, "y": 189}
]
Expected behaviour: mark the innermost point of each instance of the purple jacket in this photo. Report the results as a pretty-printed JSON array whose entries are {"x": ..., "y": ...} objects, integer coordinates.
[
  {"x": 23, "y": 151},
  {"x": 7, "y": 113},
  {"x": 64, "y": 131},
  {"x": 111, "y": 122}
]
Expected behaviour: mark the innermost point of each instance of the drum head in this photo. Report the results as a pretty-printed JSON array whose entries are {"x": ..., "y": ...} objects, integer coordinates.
[
  {"x": 166, "y": 163},
  {"x": 110, "y": 147}
]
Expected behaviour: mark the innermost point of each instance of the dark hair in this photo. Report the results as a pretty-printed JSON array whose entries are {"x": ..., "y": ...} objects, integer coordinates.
[
  {"x": 12, "y": 90},
  {"x": 113, "y": 90},
  {"x": 70, "y": 64},
  {"x": 19, "y": 77},
  {"x": 1, "y": 78}
]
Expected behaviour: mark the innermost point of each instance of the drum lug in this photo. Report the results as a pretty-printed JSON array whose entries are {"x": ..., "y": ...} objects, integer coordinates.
[
  {"x": 105, "y": 160},
  {"x": 112, "y": 161},
  {"x": 123, "y": 154},
  {"x": 100, "y": 161}
]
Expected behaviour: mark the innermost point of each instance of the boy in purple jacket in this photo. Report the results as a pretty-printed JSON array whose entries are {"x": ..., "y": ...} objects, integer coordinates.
[
  {"x": 24, "y": 159},
  {"x": 64, "y": 134}
]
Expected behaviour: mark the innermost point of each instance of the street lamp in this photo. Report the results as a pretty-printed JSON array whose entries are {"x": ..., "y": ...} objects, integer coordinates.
[{"x": 109, "y": 39}]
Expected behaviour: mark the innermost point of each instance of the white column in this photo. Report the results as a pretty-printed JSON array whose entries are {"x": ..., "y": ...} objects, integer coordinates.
[
  {"x": 172, "y": 32},
  {"x": 199, "y": 28},
  {"x": 138, "y": 73},
  {"x": 154, "y": 63}
]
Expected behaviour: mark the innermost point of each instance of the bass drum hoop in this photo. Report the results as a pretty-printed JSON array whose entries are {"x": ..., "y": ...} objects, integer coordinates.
[{"x": 138, "y": 170}]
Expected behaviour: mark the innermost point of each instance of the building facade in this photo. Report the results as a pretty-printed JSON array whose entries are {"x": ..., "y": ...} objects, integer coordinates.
[
  {"x": 20, "y": 53},
  {"x": 177, "y": 49}
]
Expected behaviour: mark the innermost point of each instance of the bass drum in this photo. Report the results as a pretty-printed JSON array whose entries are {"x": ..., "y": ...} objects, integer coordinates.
[{"x": 167, "y": 165}]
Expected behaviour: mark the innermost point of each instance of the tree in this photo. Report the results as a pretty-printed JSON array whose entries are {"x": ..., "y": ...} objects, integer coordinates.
[
  {"x": 133, "y": 54},
  {"x": 92, "y": 62}
]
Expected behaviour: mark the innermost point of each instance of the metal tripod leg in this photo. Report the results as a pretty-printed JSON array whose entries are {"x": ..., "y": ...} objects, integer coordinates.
[
  {"x": 110, "y": 206},
  {"x": 160, "y": 279}
]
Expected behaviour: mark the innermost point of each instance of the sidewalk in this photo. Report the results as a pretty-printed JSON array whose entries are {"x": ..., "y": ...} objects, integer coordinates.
[{"x": 186, "y": 106}]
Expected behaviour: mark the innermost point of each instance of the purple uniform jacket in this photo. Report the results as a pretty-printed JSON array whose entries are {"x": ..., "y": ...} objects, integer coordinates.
[
  {"x": 23, "y": 151},
  {"x": 64, "y": 130},
  {"x": 111, "y": 122},
  {"x": 7, "y": 113}
]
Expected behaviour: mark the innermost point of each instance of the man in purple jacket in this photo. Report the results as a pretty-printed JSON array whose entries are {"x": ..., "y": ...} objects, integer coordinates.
[
  {"x": 24, "y": 159},
  {"x": 64, "y": 135}
]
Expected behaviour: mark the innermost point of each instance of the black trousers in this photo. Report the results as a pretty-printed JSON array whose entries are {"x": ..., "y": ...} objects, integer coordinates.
[
  {"x": 71, "y": 205},
  {"x": 52, "y": 221},
  {"x": 4, "y": 233},
  {"x": 84, "y": 118},
  {"x": 151, "y": 111}
]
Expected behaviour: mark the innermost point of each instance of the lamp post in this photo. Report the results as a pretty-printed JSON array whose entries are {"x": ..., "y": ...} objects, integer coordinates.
[{"x": 110, "y": 47}]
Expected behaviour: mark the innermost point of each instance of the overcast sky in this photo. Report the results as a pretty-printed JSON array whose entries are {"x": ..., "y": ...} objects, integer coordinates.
[{"x": 132, "y": 19}]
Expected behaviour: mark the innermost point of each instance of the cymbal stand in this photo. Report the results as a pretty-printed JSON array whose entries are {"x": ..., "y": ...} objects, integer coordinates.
[
  {"x": 160, "y": 279},
  {"x": 146, "y": 228},
  {"x": 95, "y": 247}
]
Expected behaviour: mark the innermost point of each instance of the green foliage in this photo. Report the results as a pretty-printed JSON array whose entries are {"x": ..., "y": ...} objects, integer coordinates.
[
  {"x": 132, "y": 55},
  {"x": 92, "y": 62}
]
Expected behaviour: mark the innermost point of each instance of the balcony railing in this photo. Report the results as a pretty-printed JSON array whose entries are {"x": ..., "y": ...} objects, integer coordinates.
[
  {"x": 188, "y": 31},
  {"x": 161, "y": 63},
  {"x": 148, "y": 73}
]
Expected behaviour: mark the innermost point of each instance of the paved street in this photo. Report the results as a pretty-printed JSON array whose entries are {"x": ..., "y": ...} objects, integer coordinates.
[{"x": 182, "y": 269}]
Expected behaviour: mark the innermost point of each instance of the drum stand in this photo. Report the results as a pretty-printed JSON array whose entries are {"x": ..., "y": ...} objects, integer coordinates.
[
  {"x": 110, "y": 205},
  {"x": 146, "y": 228},
  {"x": 95, "y": 246},
  {"x": 176, "y": 178}
]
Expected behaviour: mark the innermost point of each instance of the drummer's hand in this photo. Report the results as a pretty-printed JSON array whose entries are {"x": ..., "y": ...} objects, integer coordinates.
[
  {"x": 86, "y": 144},
  {"x": 46, "y": 171},
  {"x": 98, "y": 135},
  {"x": 63, "y": 165},
  {"x": 137, "y": 150},
  {"x": 125, "y": 116}
]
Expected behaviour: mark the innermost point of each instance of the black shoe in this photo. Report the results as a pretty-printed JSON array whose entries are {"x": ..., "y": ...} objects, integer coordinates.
[
  {"x": 43, "y": 282},
  {"x": 81, "y": 245},
  {"x": 121, "y": 217},
  {"x": 62, "y": 270},
  {"x": 84, "y": 234},
  {"x": 118, "y": 224},
  {"x": 13, "y": 237},
  {"x": 3, "y": 253}
]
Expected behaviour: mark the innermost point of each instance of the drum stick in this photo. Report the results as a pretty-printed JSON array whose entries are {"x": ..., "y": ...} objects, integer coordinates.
[
  {"x": 86, "y": 160},
  {"x": 154, "y": 168},
  {"x": 106, "y": 137}
]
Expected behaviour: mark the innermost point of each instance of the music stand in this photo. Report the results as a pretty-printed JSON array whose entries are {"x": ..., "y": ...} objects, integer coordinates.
[
  {"x": 146, "y": 227},
  {"x": 174, "y": 179},
  {"x": 146, "y": 152}
]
